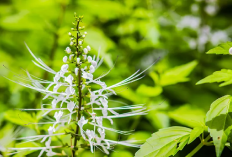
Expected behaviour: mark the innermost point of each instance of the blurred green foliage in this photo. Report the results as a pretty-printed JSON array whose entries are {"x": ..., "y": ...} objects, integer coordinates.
[{"x": 131, "y": 34}]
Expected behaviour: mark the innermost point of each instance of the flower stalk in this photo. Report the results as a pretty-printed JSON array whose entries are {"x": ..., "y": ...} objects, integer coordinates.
[{"x": 75, "y": 102}]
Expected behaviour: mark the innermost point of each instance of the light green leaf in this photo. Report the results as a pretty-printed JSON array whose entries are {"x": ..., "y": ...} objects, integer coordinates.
[
  {"x": 196, "y": 132},
  {"x": 225, "y": 75},
  {"x": 221, "y": 49},
  {"x": 188, "y": 115},
  {"x": 157, "y": 114},
  {"x": 139, "y": 136},
  {"x": 26, "y": 152},
  {"x": 132, "y": 96},
  {"x": 177, "y": 74},
  {"x": 219, "y": 120},
  {"x": 149, "y": 91},
  {"x": 165, "y": 142},
  {"x": 122, "y": 153},
  {"x": 20, "y": 118}
]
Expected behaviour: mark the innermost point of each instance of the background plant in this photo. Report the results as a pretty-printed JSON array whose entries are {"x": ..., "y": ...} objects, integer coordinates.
[
  {"x": 217, "y": 124},
  {"x": 133, "y": 31}
]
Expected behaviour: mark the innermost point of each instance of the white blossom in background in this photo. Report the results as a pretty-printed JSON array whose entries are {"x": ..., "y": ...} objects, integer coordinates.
[{"x": 73, "y": 101}]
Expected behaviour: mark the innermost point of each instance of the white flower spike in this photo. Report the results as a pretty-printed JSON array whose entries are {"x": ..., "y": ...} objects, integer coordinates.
[{"x": 73, "y": 101}]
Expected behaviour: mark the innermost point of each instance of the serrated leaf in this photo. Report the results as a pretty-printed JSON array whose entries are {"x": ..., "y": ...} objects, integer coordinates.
[
  {"x": 177, "y": 74},
  {"x": 165, "y": 142},
  {"x": 149, "y": 91},
  {"x": 225, "y": 75},
  {"x": 188, "y": 115},
  {"x": 221, "y": 49},
  {"x": 20, "y": 118},
  {"x": 196, "y": 132},
  {"x": 219, "y": 120}
]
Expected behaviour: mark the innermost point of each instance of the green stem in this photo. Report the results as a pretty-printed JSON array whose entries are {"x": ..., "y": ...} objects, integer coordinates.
[
  {"x": 76, "y": 138},
  {"x": 194, "y": 151}
]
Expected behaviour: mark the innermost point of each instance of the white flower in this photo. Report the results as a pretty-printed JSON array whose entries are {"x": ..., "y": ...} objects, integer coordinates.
[
  {"x": 78, "y": 60},
  {"x": 76, "y": 71},
  {"x": 65, "y": 58},
  {"x": 92, "y": 69},
  {"x": 65, "y": 92},
  {"x": 68, "y": 50},
  {"x": 71, "y": 57},
  {"x": 69, "y": 79},
  {"x": 88, "y": 48},
  {"x": 64, "y": 68},
  {"x": 58, "y": 115},
  {"x": 85, "y": 50},
  {"x": 71, "y": 43}
]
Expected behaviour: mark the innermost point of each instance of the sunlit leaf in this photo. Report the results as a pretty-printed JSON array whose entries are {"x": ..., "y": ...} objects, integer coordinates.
[
  {"x": 149, "y": 91},
  {"x": 219, "y": 120},
  {"x": 221, "y": 49},
  {"x": 139, "y": 135},
  {"x": 188, "y": 115},
  {"x": 177, "y": 74},
  {"x": 225, "y": 75},
  {"x": 26, "y": 144},
  {"x": 196, "y": 132},
  {"x": 20, "y": 118},
  {"x": 165, "y": 142},
  {"x": 122, "y": 153}
]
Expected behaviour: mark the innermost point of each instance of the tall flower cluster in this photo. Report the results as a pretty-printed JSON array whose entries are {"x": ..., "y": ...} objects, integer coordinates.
[{"x": 75, "y": 100}]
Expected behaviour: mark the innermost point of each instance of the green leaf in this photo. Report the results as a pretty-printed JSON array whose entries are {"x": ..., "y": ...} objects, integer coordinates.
[
  {"x": 23, "y": 145},
  {"x": 219, "y": 120},
  {"x": 149, "y": 91},
  {"x": 188, "y": 115},
  {"x": 196, "y": 132},
  {"x": 139, "y": 136},
  {"x": 157, "y": 114},
  {"x": 225, "y": 75},
  {"x": 165, "y": 142},
  {"x": 221, "y": 49},
  {"x": 177, "y": 74},
  {"x": 122, "y": 153},
  {"x": 20, "y": 118}
]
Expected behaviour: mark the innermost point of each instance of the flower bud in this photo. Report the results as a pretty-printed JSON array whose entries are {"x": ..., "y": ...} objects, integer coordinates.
[
  {"x": 78, "y": 60},
  {"x": 89, "y": 59},
  {"x": 230, "y": 50},
  {"x": 88, "y": 48},
  {"x": 71, "y": 57},
  {"x": 76, "y": 71},
  {"x": 69, "y": 33},
  {"x": 83, "y": 36},
  {"x": 84, "y": 56},
  {"x": 80, "y": 42},
  {"x": 71, "y": 43},
  {"x": 68, "y": 50},
  {"x": 85, "y": 50},
  {"x": 92, "y": 69},
  {"x": 64, "y": 68},
  {"x": 65, "y": 58}
]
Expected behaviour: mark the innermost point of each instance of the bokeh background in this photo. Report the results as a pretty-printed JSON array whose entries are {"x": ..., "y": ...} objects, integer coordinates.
[{"x": 131, "y": 34}]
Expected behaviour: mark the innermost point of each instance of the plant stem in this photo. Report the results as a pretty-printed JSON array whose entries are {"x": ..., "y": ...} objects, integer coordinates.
[
  {"x": 194, "y": 151},
  {"x": 80, "y": 94}
]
